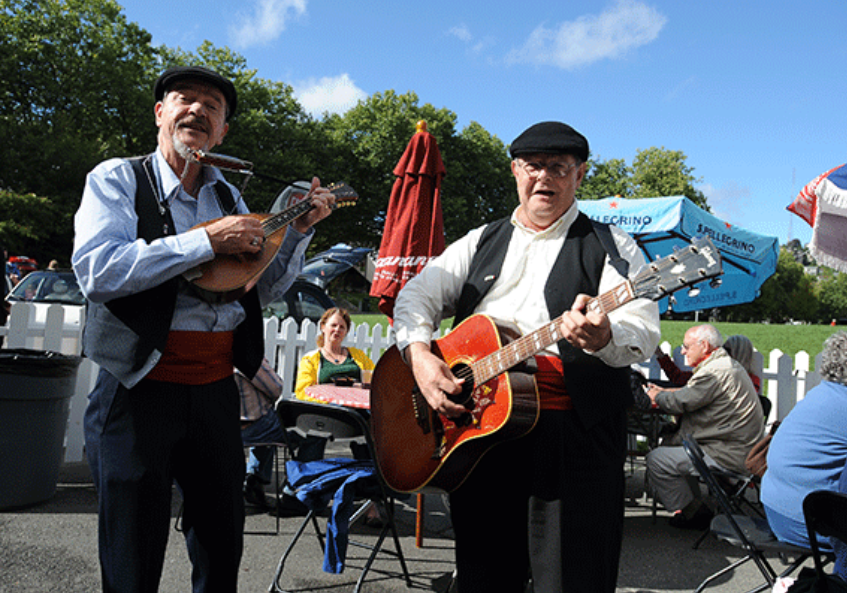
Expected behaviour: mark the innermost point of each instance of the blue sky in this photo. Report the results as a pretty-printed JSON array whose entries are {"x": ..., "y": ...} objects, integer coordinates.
[{"x": 753, "y": 92}]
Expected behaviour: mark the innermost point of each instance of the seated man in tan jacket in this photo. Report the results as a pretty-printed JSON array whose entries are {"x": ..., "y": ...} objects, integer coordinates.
[{"x": 719, "y": 407}]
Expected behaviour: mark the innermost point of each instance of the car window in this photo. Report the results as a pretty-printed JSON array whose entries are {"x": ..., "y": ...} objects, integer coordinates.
[
  {"x": 48, "y": 287},
  {"x": 308, "y": 306}
]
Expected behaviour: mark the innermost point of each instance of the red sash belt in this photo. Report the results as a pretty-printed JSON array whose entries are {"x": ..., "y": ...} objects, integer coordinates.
[
  {"x": 550, "y": 379},
  {"x": 195, "y": 358}
]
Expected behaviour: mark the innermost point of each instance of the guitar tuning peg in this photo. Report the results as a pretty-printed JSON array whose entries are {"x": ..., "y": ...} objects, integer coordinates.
[{"x": 716, "y": 282}]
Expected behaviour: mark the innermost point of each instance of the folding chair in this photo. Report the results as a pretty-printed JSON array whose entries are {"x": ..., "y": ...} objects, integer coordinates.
[
  {"x": 825, "y": 513},
  {"x": 341, "y": 423},
  {"x": 751, "y": 534},
  {"x": 736, "y": 486}
]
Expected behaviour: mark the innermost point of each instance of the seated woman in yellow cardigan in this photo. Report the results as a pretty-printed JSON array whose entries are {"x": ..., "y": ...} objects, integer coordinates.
[{"x": 331, "y": 360}]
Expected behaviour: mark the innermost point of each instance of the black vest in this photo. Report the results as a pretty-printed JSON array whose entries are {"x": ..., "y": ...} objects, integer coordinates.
[
  {"x": 595, "y": 388},
  {"x": 149, "y": 313}
]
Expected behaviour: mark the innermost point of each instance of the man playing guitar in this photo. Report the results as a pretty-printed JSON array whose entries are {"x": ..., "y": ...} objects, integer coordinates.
[{"x": 549, "y": 505}]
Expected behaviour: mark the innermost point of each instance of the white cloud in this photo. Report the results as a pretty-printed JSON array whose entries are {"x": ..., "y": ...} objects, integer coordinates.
[
  {"x": 266, "y": 23},
  {"x": 729, "y": 202},
  {"x": 628, "y": 24},
  {"x": 333, "y": 95},
  {"x": 461, "y": 32}
]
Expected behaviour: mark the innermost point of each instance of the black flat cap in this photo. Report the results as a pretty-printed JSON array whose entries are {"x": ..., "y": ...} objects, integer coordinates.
[
  {"x": 177, "y": 73},
  {"x": 550, "y": 137}
]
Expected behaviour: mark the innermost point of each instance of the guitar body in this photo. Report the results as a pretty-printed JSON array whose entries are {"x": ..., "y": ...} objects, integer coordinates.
[
  {"x": 228, "y": 276},
  {"x": 418, "y": 449}
]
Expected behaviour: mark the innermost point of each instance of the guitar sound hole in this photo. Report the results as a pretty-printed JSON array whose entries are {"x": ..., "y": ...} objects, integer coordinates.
[{"x": 465, "y": 396}]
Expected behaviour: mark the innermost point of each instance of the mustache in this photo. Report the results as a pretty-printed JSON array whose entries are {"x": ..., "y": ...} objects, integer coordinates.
[{"x": 192, "y": 121}]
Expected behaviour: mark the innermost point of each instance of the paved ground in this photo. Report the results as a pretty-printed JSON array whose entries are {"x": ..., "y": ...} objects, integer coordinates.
[{"x": 52, "y": 547}]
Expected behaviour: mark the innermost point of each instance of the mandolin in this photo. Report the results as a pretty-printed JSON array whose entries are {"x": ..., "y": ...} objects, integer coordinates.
[
  {"x": 228, "y": 276},
  {"x": 418, "y": 449}
]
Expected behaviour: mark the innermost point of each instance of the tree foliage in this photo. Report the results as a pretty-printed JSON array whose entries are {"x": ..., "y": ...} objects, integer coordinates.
[{"x": 655, "y": 172}]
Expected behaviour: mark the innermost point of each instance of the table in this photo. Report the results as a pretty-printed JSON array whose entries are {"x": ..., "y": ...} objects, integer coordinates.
[
  {"x": 352, "y": 397},
  {"x": 360, "y": 397}
]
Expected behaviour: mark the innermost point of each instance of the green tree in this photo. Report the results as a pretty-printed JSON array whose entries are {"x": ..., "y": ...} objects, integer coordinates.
[
  {"x": 831, "y": 291},
  {"x": 372, "y": 136},
  {"x": 74, "y": 73},
  {"x": 659, "y": 172},
  {"x": 788, "y": 294},
  {"x": 605, "y": 179}
]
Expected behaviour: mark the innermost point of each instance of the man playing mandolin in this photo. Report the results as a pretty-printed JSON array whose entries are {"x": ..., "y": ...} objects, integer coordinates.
[
  {"x": 165, "y": 406},
  {"x": 549, "y": 505}
]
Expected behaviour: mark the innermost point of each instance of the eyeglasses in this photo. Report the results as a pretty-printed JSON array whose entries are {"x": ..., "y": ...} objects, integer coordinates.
[
  {"x": 687, "y": 346},
  {"x": 555, "y": 170}
]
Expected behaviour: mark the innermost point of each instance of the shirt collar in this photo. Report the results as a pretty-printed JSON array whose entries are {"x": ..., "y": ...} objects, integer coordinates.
[
  {"x": 170, "y": 182},
  {"x": 558, "y": 228}
]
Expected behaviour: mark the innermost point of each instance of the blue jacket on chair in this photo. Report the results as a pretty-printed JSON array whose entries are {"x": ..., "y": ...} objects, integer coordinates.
[{"x": 339, "y": 479}]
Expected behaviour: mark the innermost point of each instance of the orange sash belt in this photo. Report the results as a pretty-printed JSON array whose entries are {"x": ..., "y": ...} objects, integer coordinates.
[
  {"x": 550, "y": 380},
  {"x": 195, "y": 358}
]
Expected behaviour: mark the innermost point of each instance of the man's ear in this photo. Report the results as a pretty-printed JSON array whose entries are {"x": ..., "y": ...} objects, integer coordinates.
[
  {"x": 223, "y": 134},
  {"x": 157, "y": 110},
  {"x": 580, "y": 173}
]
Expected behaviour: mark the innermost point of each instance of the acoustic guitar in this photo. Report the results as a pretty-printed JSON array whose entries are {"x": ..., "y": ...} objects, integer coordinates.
[
  {"x": 229, "y": 276},
  {"x": 420, "y": 450}
]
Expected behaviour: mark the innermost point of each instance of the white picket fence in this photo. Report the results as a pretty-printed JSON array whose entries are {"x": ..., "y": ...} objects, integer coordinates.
[{"x": 46, "y": 328}]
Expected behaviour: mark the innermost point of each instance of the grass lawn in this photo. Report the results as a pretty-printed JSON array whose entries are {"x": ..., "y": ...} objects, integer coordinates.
[{"x": 790, "y": 339}]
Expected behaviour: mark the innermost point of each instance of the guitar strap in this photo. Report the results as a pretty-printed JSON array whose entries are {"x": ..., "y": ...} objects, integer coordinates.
[{"x": 604, "y": 233}]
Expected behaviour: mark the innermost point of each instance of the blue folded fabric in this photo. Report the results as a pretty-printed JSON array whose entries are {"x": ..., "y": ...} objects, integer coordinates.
[{"x": 340, "y": 479}]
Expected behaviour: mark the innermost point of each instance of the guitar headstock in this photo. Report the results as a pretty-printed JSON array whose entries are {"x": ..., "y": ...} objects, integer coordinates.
[
  {"x": 344, "y": 194},
  {"x": 691, "y": 265}
]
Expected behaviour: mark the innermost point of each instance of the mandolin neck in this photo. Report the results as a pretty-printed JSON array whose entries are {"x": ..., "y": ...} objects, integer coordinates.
[
  {"x": 282, "y": 219},
  {"x": 502, "y": 360}
]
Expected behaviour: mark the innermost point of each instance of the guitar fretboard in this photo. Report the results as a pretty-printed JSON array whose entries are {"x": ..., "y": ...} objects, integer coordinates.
[
  {"x": 280, "y": 220},
  {"x": 344, "y": 195},
  {"x": 522, "y": 348}
]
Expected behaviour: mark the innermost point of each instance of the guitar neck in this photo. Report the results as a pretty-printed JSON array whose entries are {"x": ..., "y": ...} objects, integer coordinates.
[
  {"x": 282, "y": 219},
  {"x": 532, "y": 343}
]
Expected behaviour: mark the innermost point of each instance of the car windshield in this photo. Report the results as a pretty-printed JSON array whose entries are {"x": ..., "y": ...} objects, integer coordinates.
[
  {"x": 326, "y": 267},
  {"x": 48, "y": 287}
]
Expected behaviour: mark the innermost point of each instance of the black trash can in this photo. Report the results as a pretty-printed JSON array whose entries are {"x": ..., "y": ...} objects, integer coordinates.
[{"x": 36, "y": 387}]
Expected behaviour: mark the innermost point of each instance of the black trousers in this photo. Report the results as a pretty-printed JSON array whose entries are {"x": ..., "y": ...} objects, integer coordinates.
[
  {"x": 139, "y": 442},
  {"x": 549, "y": 505}
]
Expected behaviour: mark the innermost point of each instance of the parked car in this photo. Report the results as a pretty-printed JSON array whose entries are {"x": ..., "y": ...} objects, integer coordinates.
[
  {"x": 45, "y": 287},
  {"x": 307, "y": 298},
  {"x": 332, "y": 263},
  {"x": 302, "y": 301}
]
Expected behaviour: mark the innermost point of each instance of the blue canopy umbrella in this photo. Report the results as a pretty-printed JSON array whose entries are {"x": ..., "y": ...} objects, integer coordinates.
[{"x": 661, "y": 224}]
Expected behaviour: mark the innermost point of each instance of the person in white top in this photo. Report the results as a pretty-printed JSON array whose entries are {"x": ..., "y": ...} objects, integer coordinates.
[{"x": 547, "y": 506}]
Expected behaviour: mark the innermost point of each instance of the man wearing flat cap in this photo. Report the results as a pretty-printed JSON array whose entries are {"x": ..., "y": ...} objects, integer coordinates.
[
  {"x": 165, "y": 407},
  {"x": 547, "y": 506}
]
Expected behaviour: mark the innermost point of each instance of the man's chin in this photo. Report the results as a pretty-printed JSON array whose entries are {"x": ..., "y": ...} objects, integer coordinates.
[{"x": 185, "y": 146}]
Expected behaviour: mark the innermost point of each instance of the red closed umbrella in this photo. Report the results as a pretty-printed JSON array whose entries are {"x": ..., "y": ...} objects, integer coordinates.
[
  {"x": 414, "y": 225},
  {"x": 413, "y": 233}
]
